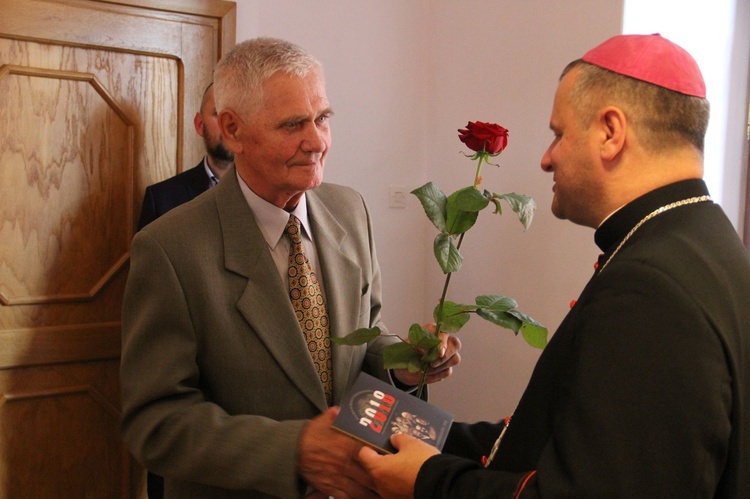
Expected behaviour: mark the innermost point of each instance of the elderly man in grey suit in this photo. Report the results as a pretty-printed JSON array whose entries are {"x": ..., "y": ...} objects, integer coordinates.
[{"x": 221, "y": 394}]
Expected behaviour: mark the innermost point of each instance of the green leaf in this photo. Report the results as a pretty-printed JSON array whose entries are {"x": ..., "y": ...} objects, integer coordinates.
[
  {"x": 534, "y": 333},
  {"x": 422, "y": 338},
  {"x": 430, "y": 356},
  {"x": 401, "y": 356},
  {"x": 426, "y": 341},
  {"x": 447, "y": 254},
  {"x": 457, "y": 220},
  {"x": 433, "y": 201},
  {"x": 523, "y": 205},
  {"x": 494, "y": 308},
  {"x": 358, "y": 337},
  {"x": 496, "y": 303},
  {"x": 501, "y": 310},
  {"x": 470, "y": 199},
  {"x": 523, "y": 317},
  {"x": 455, "y": 316},
  {"x": 502, "y": 319},
  {"x": 415, "y": 364}
]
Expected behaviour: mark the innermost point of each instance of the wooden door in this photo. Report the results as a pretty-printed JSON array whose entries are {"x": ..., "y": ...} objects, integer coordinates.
[
  {"x": 97, "y": 99},
  {"x": 746, "y": 157}
]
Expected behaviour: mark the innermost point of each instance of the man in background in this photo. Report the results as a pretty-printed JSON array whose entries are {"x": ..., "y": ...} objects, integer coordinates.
[
  {"x": 165, "y": 195},
  {"x": 228, "y": 378},
  {"x": 644, "y": 390}
]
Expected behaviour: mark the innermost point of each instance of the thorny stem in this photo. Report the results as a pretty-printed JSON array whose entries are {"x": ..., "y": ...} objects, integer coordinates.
[
  {"x": 477, "y": 176},
  {"x": 426, "y": 367},
  {"x": 458, "y": 246},
  {"x": 420, "y": 389},
  {"x": 445, "y": 290}
]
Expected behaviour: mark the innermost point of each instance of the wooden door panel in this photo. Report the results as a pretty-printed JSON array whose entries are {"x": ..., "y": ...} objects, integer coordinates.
[
  {"x": 66, "y": 413},
  {"x": 51, "y": 165},
  {"x": 96, "y": 103}
]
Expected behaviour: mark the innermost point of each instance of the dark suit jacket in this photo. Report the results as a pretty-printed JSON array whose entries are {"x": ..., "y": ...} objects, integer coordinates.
[
  {"x": 216, "y": 378},
  {"x": 174, "y": 191},
  {"x": 644, "y": 390}
]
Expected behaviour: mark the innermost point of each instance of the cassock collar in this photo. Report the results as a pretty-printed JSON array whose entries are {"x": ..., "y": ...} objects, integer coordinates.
[{"x": 616, "y": 227}]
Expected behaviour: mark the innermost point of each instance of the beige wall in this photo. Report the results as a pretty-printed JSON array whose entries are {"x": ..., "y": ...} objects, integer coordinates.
[{"x": 402, "y": 77}]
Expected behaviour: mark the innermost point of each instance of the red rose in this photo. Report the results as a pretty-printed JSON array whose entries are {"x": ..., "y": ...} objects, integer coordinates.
[{"x": 487, "y": 137}]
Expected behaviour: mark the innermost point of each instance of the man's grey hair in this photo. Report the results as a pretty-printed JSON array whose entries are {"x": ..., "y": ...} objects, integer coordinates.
[{"x": 239, "y": 75}]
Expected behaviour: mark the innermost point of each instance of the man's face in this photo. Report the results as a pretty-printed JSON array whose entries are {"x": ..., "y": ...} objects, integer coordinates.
[
  {"x": 207, "y": 125},
  {"x": 571, "y": 157},
  {"x": 282, "y": 149}
]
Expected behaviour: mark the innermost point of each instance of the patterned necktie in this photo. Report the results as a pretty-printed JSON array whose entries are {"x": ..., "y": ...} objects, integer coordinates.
[{"x": 309, "y": 307}]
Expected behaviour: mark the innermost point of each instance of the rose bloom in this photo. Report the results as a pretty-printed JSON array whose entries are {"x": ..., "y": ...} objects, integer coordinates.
[{"x": 488, "y": 137}]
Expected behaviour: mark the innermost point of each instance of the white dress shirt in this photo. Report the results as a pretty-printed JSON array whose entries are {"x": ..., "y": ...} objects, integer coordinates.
[{"x": 272, "y": 221}]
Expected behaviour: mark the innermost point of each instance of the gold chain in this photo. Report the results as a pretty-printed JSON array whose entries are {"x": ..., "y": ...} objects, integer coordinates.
[
  {"x": 659, "y": 211},
  {"x": 699, "y": 199}
]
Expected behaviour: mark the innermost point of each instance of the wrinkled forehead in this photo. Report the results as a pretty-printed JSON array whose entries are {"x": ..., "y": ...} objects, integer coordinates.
[{"x": 293, "y": 96}]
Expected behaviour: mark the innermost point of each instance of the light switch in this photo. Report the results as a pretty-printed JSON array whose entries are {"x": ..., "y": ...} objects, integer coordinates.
[{"x": 397, "y": 196}]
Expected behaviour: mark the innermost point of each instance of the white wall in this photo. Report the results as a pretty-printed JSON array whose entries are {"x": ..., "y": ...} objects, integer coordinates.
[
  {"x": 374, "y": 55},
  {"x": 717, "y": 34},
  {"x": 402, "y": 77},
  {"x": 502, "y": 65}
]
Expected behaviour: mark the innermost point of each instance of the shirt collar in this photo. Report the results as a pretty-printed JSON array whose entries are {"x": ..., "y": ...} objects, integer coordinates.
[
  {"x": 212, "y": 179},
  {"x": 271, "y": 219}
]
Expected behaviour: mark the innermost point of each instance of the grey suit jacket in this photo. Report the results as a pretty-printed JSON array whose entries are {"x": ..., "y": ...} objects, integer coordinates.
[{"x": 216, "y": 378}]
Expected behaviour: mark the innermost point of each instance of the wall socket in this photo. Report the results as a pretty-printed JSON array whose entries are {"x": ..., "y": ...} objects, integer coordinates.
[{"x": 397, "y": 196}]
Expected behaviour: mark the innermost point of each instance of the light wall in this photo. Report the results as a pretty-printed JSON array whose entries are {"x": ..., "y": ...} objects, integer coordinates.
[
  {"x": 717, "y": 35},
  {"x": 402, "y": 77}
]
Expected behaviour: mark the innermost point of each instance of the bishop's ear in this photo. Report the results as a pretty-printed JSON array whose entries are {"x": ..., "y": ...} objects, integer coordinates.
[{"x": 614, "y": 126}]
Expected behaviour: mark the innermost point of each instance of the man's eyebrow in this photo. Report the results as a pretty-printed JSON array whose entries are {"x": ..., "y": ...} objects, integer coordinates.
[
  {"x": 290, "y": 119},
  {"x": 302, "y": 117}
]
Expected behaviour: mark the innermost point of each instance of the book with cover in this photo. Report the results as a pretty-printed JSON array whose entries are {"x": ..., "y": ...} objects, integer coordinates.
[{"x": 373, "y": 410}]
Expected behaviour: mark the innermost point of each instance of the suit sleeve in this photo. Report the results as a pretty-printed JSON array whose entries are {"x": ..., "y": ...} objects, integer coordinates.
[
  {"x": 643, "y": 408},
  {"x": 374, "y": 358},
  {"x": 449, "y": 476},
  {"x": 472, "y": 441},
  {"x": 168, "y": 422}
]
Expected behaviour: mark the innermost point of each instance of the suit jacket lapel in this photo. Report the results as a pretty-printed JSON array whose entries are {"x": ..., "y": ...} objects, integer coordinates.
[
  {"x": 265, "y": 302},
  {"x": 341, "y": 281}
]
